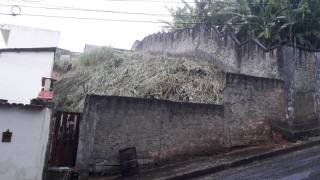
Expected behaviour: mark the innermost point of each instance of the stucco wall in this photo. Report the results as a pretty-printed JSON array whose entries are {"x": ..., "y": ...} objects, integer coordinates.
[
  {"x": 166, "y": 130},
  {"x": 221, "y": 48},
  {"x": 23, "y": 158},
  {"x": 21, "y": 74}
]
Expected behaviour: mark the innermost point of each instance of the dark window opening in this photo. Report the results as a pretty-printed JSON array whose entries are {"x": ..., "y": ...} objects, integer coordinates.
[{"x": 6, "y": 136}]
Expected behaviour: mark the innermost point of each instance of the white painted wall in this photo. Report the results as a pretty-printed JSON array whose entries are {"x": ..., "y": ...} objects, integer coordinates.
[
  {"x": 21, "y": 74},
  {"x": 27, "y": 37},
  {"x": 24, "y": 157}
]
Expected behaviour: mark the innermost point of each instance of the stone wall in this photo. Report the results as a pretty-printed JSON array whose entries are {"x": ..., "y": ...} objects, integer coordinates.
[
  {"x": 221, "y": 48},
  {"x": 162, "y": 130}
]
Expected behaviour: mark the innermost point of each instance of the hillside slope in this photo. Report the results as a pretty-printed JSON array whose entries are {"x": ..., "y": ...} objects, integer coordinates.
[{"x": 106, "y": 72}]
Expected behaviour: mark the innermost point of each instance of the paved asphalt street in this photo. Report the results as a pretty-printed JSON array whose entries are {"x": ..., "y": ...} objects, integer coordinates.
[{"x": 304, "y": 164}]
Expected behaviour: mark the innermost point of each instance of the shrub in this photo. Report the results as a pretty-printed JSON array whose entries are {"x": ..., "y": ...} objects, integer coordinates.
[{"x": 96, "y": 56}]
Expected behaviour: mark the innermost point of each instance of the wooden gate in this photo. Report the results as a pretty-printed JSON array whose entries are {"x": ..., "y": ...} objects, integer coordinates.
[{"x": 65, "y": 139}]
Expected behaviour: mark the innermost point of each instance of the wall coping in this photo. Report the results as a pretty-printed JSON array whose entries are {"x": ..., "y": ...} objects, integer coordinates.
[
  {"x": 232, "y": 36},
  {"x": 152, "y": 100}
]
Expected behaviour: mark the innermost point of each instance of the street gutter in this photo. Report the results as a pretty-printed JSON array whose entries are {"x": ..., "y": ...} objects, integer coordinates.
[{"x": 243, "y": 161}]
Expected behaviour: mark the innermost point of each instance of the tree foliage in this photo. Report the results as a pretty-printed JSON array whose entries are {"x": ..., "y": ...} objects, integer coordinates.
[{"x": 272, "y": 21}]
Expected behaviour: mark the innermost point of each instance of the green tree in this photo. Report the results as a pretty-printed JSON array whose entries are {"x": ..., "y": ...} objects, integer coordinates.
[
  {"x": 272, "y": 21},
  {"x": 183, "y": 17}
]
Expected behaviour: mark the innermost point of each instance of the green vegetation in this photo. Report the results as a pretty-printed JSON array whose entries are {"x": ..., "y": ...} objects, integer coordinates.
[
  {"x": 272, "y": 21},
  {"x": 95, "y": 57},
  {"x": 62, "y": 66},
  {"x": 108, "y": 72}
]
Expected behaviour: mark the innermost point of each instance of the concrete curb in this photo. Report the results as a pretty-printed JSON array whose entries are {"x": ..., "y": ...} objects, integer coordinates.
[{"x": 244, "y": 161}]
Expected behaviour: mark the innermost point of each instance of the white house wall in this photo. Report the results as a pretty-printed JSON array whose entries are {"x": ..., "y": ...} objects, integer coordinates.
[
  {"x": 21, "y": 74},
  {"x": 27, "y": 37},
  {"x": 23, "y": 158}
]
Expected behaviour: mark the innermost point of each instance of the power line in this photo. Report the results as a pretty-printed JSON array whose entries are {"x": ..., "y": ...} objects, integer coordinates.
[
  {"x": 80, "y": 18},
  {"x": 113, "y": 20},
  {"x": 36, "y": 2},
  {"x": 121, "y": 1},
  {"x": 32, "y": 1},
  {"x": 123, "y": 20},
  {"x": 176, "y": 2},
  {"x": 117, "y": 20},
  {"x": 149, "y": 1},
  {"x": 101, "y": 19},
  {"x": 68, "y": 8}
]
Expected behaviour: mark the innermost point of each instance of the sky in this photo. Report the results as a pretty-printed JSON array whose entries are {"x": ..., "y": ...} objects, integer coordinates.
[{"x": 75, "y": 33}]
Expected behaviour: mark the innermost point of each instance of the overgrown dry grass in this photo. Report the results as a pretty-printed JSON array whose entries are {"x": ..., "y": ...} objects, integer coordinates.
[{"x": 105, "y": 72}]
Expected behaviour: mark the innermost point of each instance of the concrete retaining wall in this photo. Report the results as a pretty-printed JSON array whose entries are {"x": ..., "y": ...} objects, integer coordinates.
[
  {"x": 249, "y": 58},
  {"x": 221, "y": 48},
  {"x": 162, "y": 130},
  {"x": 251, "y": 104}
]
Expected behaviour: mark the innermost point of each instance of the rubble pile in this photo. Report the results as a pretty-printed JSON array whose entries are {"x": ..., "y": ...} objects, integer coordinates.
[{"x": 106, "y": 72}]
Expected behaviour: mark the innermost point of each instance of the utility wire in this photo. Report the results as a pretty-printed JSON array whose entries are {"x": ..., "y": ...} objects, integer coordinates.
[
  {"x": 102, "y": 19},
  {"x": 66, "y": 8},
  {"x": 114, "y": 20},
  {"x": 147, "y": 1},
  {"x": 125, "y": 20},
  {"x": 53, "y": 6},
  {"x": 70, "y": 8},
  {"x": 134, "y": 1},
  {"x": 175, "y": 2},
  {"x": 150, "y": 1},
  {"x": 79, "y": 18}
]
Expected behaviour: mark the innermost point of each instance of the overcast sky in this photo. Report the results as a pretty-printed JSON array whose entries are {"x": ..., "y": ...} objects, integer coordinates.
[{"x": 74, "y": 34}]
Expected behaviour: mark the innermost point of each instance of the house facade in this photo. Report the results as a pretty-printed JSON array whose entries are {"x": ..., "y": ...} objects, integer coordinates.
[
  {"x": 26, "y": 65},
  {"x": 27, "y": 58},
  {"x": 23, "y": 154},
  {"x": 28, "y": 37},
  {"x": 21, "y": 72}
]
